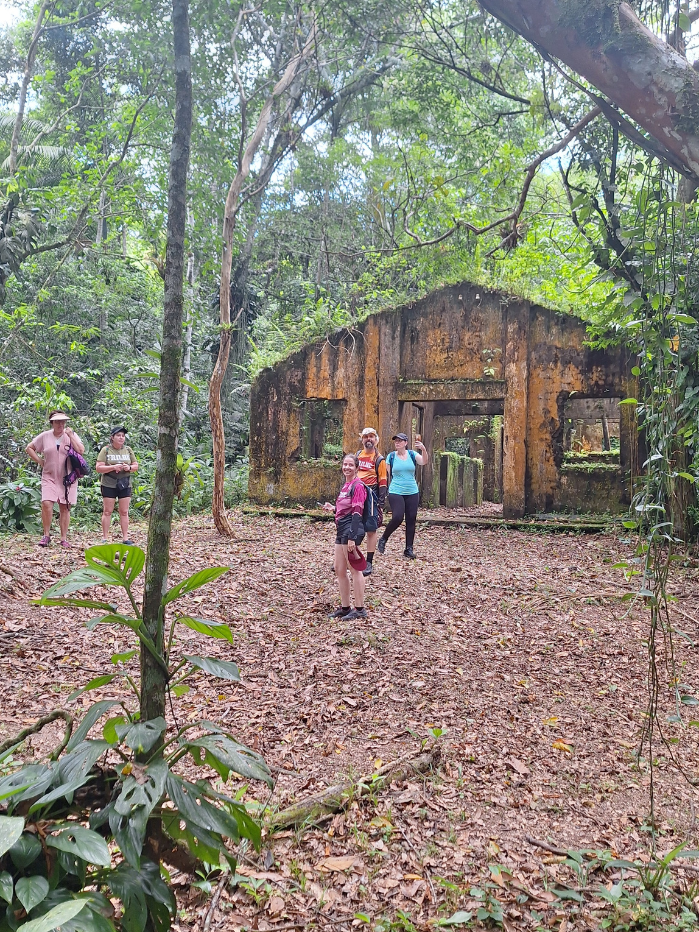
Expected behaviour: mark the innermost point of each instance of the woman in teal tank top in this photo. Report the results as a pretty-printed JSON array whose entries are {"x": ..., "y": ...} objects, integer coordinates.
[{"x": 403, "y": 493}]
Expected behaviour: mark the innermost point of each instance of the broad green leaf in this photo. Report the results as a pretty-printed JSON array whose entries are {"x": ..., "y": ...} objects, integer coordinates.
[
  {"x": 77, "y": 580},
  {"x": 144, "y": 791},
  {"x": 459, "y": 918},
  {"x": 11, "y": 827},
  {"x": 123, "y": 658},
  {"x": 27, "y": 782},
  {"x": 181, "y": 690},
  {"x": 132, "y": 887},
  {"x": 689, "y": 700},
  {"x": 54, "y": 917},
  {"x": 82, "y": 843},
  {"x": 124, "y": 561},
  {"x": 213, "y": 629},
  {"x": 78, "y": 603},
  {"x": 93, "y": 714},
  {"x": 223, "y": 669},
  {"x": 6, "y": 886},
  {"x": 142, "y": 735},
  {"x": 73, "y": 771},
  {"x": 95, "y": 683},
  {"x": 684, "y": 22},
  {"x": 204, "y": 845},
  {"x": 195, "y": 581},
  {"x": 225, "y": 754},
  {"x": 25, "y": 851},
  {"x": 113, "y": 618},
  {"x": 196, "y": 809},
  {"x": 628, "y": 401},
  {"x": 30, "y": 891},
  {"x": 109, "y": 732}
]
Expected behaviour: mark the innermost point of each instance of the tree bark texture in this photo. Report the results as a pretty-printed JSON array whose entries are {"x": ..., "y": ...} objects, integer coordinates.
[
  {"x": 229, "y": 219},
  {"x": 153, "y": 680},
  {"x": 606, "y": 43}
]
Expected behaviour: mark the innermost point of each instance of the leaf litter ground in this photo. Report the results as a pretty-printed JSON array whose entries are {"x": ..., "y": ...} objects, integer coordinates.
[{"x": 515, "y": 645}]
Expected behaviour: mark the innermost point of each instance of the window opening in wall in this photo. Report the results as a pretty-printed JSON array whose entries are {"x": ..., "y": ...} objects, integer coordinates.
[
  {"x": 321, "y": 428},
  {"x": 591, "y": 430}
]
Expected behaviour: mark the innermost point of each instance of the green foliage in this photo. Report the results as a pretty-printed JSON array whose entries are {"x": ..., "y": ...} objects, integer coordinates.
[
  {"x": 109, "y": 788},
  {"x": 20, "y": 506}
]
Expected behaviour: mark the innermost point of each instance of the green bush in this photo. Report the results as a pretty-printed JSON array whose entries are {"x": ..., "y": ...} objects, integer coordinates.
[{"x": 20, "y": 505}]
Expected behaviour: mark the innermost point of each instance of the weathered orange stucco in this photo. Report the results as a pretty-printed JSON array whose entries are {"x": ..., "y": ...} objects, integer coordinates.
[{"x": 459, "y": 350}]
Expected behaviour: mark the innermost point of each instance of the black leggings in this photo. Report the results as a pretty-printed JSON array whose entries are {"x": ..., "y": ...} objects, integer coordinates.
[{"x": 403, "y": 506}]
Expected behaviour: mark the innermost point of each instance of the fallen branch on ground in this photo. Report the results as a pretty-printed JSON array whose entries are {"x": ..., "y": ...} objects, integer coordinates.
[
  {"x": 37, "y": 726},
  {"x": 335, "y": 798}
]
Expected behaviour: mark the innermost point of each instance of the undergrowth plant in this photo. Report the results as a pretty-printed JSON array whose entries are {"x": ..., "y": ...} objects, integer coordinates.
[
  {"x": 20, "y": 506},
  {"x": 89, "y": 825}
]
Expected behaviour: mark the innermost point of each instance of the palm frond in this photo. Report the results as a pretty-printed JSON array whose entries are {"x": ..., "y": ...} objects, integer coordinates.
[{"x": 29, "y": 126}]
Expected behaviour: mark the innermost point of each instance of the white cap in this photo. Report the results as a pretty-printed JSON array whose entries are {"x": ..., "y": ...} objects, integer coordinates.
[{"x": 369, "y": 430}]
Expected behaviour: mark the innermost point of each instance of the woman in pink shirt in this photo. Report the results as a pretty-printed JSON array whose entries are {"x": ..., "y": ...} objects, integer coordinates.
[
  {"x": 350, "y": 533},
  {"x": 50, "y": 450}
]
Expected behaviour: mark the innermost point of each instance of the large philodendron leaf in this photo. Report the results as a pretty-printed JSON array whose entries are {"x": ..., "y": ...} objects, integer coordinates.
[
  {"x": 142, "y": 736},
  {"x": 195, "y": 581},
  {"x": 212, "y": 629},
  {"x": 93, "y": 714},
  {"x": 11, "y": 827},
  {"x": 54, "y": 918},
  {"x": 225, "y": 754},
  {"x": 72, "y": 771},
  {"x": 129, "y": 814},
  {"x": 223, "y": 669},
  {"x": 205, "y": 846},
  {"x": 30, "y": 891},
  {"x": 125, "y": 561},
  {"x": 82, "y": 843},
  {"x": 198, "y": 811},
  {"x": 80, "y": 579}
]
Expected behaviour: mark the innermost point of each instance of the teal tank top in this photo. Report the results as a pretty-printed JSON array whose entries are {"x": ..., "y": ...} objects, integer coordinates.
[{"x": 402, "y": 474}]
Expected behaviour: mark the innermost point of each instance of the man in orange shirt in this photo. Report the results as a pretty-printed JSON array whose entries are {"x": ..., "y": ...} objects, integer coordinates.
[{"x": 373, "y": 473}]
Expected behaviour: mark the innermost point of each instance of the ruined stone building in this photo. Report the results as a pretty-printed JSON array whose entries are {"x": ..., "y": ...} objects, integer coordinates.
[{"x": 511, "y": 404}]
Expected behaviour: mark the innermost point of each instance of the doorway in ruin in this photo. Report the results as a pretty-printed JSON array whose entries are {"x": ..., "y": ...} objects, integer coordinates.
[{"x": 473, "y": 429}]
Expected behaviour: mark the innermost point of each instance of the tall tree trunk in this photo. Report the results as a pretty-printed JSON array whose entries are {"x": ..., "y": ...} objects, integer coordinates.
[
  {"x": 187, "y": 358},
  {"x": 153, "y": 682},
  {"x": 229, "y": 220},
  {"x": 26, "y": 78},
  {"x": 608, "y": 45}
]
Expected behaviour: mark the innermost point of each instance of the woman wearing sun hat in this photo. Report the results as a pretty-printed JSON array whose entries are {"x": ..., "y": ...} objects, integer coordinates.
[
  {"x": 50, "y": 450},
  {"x": 116, "y": 462}
]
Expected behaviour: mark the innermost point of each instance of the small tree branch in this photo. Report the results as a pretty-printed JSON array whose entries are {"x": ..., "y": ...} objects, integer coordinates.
[{"x": 37, "y": 726}]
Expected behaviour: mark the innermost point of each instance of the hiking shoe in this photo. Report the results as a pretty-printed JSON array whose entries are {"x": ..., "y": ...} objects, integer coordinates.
[
  {"x": 45, "y": 541},
  {"x": 409, "y": 553},
  {"x": 356, "y": 613},
  {"x": 340, "y": 612},
  {"x": 128, "y": 543},
  {"x": 64, "y": 543},
  {"x": 368, "y": 571},
  {"x": 381, "y": 545}
]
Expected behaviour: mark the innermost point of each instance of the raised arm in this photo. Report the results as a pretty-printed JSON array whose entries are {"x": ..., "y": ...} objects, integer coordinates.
[{"x": 422, "y": 457}]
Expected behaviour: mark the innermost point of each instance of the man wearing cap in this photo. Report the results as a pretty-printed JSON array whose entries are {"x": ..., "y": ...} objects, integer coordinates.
[
  {"x": 50, "y": 450},
  {"x": 115, "y": 463},
  {"x": 372, "y": 472}
]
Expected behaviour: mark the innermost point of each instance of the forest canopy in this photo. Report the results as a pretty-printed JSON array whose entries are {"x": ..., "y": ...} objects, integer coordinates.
[{"x": 414, "y": 144}]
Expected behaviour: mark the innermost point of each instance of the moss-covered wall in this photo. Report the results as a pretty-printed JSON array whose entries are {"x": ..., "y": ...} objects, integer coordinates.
[{"x": 429, "y": 359}]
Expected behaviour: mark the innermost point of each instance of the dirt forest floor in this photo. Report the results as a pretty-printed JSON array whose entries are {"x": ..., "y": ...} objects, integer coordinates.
[{"x": 514, "y": 644}]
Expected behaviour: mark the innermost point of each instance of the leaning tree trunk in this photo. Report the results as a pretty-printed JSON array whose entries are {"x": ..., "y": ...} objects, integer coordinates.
[
  {"x": 153, "y": 680},
  {"x": 229, "y": 220},
  {"x": 606, "y": 43}
]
